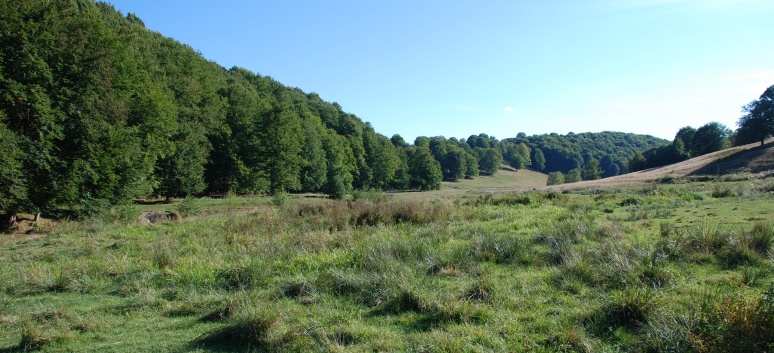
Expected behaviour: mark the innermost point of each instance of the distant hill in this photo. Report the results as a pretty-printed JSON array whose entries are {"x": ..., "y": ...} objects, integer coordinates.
[{"x": 612, "y": 149}]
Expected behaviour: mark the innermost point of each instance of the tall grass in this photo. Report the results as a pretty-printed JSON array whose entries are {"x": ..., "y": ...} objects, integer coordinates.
[{"x": 518, "y": 272}]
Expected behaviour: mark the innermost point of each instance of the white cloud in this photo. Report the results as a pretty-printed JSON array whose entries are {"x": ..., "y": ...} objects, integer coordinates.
[{"x": 509, "y": 109}]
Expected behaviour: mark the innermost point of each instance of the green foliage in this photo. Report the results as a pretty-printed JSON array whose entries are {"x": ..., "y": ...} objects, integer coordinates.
[
  {"x": 591, "y": 170},
  {"x": 565, "y": 152},
  {"x": 538, "y": 160},
  {"x": 730, "y": 323},
  {"x": 709, "y": 138},
  {"x": 688, "y": 143},
  {"x": 13, "y": 188},
  {"x": 758, "y": 122},
  {"x": 573, "y": 176},
  {"x": 555, "y": 178},
  {"x": 280, "y": 149},
  {"x": 425, "y": 171},
  {"x": 190, "y": 206},
  {"x": 489, "y": 160},
  {"x": 399, "y": 275},
  {"x": 638, "y": 162}
]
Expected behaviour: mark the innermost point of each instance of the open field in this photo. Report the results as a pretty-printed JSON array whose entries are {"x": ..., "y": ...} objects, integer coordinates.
[
  {"x": 506, "y": 180},
  {"x": 656, "y": 267}
]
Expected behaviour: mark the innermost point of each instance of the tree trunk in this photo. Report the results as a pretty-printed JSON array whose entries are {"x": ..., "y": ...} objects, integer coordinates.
[{"x": 37, "y": 216}]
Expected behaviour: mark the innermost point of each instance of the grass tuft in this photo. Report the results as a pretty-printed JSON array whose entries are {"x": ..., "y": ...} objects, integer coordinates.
[
  {"x": 252, "y": 329},
  {"x": 630, "y": 308},
  {"x": 760, "y": 238},
  {"x": 32, "y": 337}
]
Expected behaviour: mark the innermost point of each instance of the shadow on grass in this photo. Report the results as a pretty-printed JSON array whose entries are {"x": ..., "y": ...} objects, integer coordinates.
[{"x": 754, "y": 160}]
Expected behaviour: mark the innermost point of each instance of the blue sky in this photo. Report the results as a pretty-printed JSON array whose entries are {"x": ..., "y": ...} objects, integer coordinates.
[{"x": 456, "y": 68}]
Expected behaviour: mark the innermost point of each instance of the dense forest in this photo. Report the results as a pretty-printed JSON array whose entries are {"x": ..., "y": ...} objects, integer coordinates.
[{"x": 97, "y": 110}]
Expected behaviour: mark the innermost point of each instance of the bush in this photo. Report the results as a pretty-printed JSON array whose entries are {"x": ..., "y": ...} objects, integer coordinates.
[
  {"x": 280, "y": 198},
  {"x": 734, "y": 323},
  {"x": 191, "y": 206},
  {"x": 630, "y": 201},
  {"x": 721, "y": 192}
]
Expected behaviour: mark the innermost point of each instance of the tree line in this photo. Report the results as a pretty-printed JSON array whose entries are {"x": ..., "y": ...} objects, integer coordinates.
[
  {"x": 96, "y": 110},
  {"x": 585, "y": 156}
]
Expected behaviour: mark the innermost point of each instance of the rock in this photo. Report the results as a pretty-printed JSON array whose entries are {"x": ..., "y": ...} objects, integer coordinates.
[{"x": 158, "y": 216}]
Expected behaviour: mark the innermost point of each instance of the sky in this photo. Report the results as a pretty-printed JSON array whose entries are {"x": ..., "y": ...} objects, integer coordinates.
[{"x": 454, "y": 68}]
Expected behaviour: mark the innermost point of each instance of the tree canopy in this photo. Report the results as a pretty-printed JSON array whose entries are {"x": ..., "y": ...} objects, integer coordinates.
[
  {"x": 757, "y": 124},
  {"x": 688, "y": 143}
]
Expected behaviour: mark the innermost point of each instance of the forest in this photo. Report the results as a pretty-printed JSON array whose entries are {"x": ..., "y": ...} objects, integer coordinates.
[
  {"x": 287, "y": 239},
  {"x": 97, "y": 110}
]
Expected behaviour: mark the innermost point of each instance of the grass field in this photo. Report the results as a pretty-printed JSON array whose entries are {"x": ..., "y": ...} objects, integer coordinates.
[
  {"x": 683, "y": 266},
  {"x": 505, "y": 180}
]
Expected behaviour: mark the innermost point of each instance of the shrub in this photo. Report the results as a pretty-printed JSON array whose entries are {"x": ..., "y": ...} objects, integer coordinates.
[
  {"x": 751, "y": 275},
  {"x": 721, "y": 192},
  {"x": 630, "y": 201},
  {"x": 125, "y": 213},
  {"x": 734, "y": 323},
  {"x": 191, "y": 206},
  {"x": 280, "y": 198}
]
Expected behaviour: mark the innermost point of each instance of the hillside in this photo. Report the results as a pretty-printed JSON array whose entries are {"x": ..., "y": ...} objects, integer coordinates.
[{"x": 751, "y": 158}]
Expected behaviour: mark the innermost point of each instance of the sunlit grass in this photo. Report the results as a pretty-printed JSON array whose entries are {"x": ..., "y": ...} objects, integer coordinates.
[{"x": 618, "y": 269}]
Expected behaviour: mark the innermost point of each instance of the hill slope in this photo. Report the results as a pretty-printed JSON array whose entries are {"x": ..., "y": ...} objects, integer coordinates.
[{"x": 750, "y": 158}]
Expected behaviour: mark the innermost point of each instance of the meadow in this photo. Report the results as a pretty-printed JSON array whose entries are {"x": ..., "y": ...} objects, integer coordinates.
[{"x": 675, "y": 265}]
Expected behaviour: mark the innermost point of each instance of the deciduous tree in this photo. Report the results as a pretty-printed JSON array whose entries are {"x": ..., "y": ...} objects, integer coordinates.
[{"x": 757, "y": 124}]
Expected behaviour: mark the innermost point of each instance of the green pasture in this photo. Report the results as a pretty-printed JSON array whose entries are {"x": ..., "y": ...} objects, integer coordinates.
[{"x": 680, "y": 266}]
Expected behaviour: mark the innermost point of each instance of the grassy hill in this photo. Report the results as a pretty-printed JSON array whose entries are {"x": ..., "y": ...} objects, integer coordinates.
[{"x": 741, "y": 160}]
